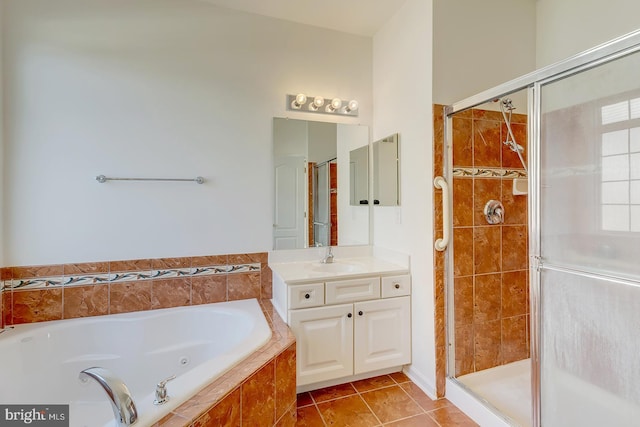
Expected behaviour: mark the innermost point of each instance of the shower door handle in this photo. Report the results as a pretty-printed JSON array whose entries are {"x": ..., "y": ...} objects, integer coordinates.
[{"x": 441, "y": 244}]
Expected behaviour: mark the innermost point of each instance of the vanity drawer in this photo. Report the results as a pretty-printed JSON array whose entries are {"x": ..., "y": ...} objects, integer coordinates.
[
  {"x": 353, "y": 290},
  {"x": 396, "y": 286},
  {"x": 303, "y": 296}
]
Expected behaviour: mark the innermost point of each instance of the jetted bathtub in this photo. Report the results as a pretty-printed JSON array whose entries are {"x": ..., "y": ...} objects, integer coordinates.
[{"x": 40, "y": 363}]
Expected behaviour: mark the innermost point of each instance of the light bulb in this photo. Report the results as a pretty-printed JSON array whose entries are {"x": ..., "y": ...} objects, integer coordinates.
[
  {"x": 336, "y": 103},
  {"x": 300, "y": 100},
  {"x": 351, "y": 106},
  {"x": 318, "y": 102}
]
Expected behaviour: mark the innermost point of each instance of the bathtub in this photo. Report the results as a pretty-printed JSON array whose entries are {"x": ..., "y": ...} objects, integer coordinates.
[{"x": 40, "y": 363}]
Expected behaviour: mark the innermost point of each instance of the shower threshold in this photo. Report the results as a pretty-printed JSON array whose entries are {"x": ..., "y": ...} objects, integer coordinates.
[{"x": 506, "y": 387}]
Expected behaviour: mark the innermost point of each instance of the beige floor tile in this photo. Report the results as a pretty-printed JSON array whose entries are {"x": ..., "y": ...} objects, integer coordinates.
[
  {"x": 347, "y": 412},
  {"x": 391, "y": 404}
]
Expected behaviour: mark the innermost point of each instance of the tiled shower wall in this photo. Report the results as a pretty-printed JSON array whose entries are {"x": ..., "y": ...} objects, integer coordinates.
[
  {"x": 490, "y": 261},
  {"x": 65, "y": 291}
]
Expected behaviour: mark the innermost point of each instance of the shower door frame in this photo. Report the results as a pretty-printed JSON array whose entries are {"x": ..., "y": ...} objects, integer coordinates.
[{"x": 533, "y": 83}]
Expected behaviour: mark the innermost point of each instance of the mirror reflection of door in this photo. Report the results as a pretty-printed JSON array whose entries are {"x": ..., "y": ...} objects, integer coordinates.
[{"x": 288, "y": 227}]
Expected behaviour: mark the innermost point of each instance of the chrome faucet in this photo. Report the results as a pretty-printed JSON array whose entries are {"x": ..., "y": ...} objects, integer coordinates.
[
  {"x": 328, "y": 258},
  {"x": 121, "y": 400},
  {"x": 161, "y": 391}
]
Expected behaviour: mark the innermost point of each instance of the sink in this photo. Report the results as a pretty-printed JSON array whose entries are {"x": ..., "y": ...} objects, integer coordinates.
[{"x": 337, "y": 267}]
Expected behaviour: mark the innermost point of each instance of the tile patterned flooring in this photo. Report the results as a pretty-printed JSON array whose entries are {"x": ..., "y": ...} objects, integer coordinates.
[{"x": 387, "y": 400}]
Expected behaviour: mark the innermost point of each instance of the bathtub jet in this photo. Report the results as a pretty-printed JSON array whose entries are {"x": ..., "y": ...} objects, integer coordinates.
[{"x": 124, "y": 409}]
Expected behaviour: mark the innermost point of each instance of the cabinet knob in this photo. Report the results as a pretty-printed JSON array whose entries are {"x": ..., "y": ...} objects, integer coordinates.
[
  {"x": 307, "y": 296},
  {"x": 360, "y": 313},
  {"x": 349, "y": 315},
  {"x": 397, "y": 285}
]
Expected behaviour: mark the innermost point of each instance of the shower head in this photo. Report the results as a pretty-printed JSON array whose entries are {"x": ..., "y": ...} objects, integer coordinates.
[{"x": 507, "y": 104}]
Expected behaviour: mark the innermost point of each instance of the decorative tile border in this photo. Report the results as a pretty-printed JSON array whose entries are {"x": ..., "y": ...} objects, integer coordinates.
[
  {"x": 94, "y": 279},
  {"x": 489, "y": 173}
]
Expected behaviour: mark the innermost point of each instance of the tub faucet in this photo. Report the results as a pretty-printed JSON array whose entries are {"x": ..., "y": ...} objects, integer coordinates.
[
  {"x": 121, "y": 400},
  {"x": 328, "y": 258},
  {"x": 161, "y": 391}
]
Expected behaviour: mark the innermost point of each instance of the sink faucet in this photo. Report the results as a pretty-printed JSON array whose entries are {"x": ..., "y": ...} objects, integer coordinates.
[
  {"x": 121, "y": 400},
  {"x": 328, "y": 258}
]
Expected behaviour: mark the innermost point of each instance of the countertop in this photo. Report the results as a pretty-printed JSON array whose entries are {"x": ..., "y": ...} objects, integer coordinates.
[{"x": 341, "y": 268}]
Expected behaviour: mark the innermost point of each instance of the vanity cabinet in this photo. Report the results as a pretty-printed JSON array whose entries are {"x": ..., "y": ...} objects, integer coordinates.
[{"x": 350, "y": 327}]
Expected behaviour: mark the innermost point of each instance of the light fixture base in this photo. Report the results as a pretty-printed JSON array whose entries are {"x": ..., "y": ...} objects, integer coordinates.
[{"x": 342, "y": 111}]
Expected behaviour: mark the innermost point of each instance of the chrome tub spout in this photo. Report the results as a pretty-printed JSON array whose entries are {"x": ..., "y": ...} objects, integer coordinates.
[{"x": 121, "y": 400}]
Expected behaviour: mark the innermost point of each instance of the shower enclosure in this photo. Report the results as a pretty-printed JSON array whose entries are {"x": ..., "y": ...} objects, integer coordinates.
[
  {"x": 549, "y": 301},
  {"x": 323, "y": 204}
]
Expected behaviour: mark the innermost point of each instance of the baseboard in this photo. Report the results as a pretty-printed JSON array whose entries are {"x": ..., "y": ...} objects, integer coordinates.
[
  {"x": 421, "y": 381},
  {"x": 347, "y": 379}
]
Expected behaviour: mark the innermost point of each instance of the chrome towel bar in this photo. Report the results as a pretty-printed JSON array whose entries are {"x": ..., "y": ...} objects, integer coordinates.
[{"x": 102, "y": 179}]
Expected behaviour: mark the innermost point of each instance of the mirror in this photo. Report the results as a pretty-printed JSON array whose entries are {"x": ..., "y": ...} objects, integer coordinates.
[
  {"x": 386, "y": 171},
  {"x": 359, "y": 176},
  {"x": 312, "y": 184}
]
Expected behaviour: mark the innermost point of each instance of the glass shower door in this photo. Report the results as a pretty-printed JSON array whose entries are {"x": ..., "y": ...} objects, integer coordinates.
[
  {"x": 589, "y": 269},
  {"x": 321, "y": 207}
]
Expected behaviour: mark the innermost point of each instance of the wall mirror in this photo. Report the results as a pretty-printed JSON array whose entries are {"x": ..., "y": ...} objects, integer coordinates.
[
  {"x": 386, "y": 171},
  {"x": 359, "y": 176},
  {"x": 312, "y": 178}
]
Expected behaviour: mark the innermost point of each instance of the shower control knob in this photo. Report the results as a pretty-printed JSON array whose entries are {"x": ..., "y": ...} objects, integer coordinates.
[
  {"x": 494, "y": 212},
  {"x": 307, "y": 296}
]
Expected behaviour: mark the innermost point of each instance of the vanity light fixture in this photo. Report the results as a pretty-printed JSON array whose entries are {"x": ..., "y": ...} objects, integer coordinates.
[
  {"x": 334, "y": 105},
  {"x": 351, "y": 106},
  {"x": 298, "y": 101},
  {"x": 316, "y": 104}
]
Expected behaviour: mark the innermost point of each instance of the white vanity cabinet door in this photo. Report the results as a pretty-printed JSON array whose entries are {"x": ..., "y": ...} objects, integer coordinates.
[
  {"x": 324, "y": 342},
  {"x": 382, "y": 334}
]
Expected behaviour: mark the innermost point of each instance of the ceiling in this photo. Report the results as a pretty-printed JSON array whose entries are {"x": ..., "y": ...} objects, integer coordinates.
[{"x": 361, "y": 17}]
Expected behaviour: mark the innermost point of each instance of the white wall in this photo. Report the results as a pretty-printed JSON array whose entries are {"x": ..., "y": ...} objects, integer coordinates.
[
  {"x": 154, "y": 88},
  {"x": 2, "y": 130},
  {"x": 402, "y": 97},
  {"x": 568, "y": 27},
  {"x": 480, "y": 44}
]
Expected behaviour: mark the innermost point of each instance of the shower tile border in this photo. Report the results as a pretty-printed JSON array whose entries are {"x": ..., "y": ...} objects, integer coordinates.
[{"x": 489, "y": 173}]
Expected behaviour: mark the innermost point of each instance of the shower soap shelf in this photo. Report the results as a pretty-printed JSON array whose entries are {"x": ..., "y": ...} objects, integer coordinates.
[{"x": 520, "y": 186}]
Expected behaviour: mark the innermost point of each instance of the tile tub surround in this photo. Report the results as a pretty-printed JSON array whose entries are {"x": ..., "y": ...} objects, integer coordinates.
[
  {"x": 258, "y": 391},
  {"x": 65, "y": 291},
  {"x": 490, "y": 261}
]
